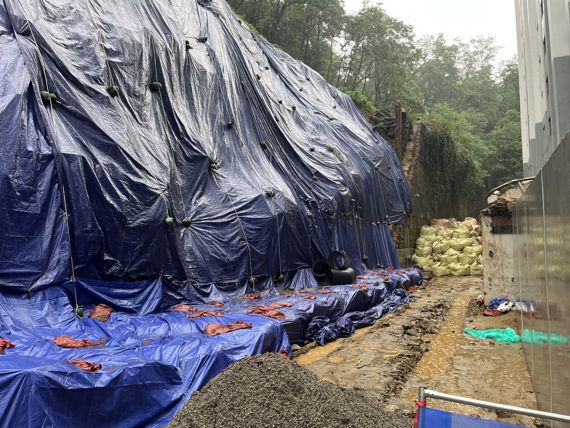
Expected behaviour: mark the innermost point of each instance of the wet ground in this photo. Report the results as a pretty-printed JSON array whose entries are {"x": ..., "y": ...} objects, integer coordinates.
[{"x": 423, "y": 344}]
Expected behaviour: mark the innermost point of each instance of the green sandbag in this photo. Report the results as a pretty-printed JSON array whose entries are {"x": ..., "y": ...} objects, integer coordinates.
[
  {"x": 497, "y": 334},
  {"x": 539, "y": 337}
]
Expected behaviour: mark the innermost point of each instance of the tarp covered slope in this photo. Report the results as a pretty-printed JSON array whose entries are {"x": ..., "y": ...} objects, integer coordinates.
[{"x": 263, "y": 166}]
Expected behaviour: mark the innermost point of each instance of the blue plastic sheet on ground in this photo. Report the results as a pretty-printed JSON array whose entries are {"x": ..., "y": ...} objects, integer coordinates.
[
  {"x": 151, "y": 363},
  {"x": 152, "y": 359},
  {"x": 433, "y": 418}
]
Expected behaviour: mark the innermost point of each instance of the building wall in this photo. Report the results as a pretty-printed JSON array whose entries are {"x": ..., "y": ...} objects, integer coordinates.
[
  {"x": 543, "y": 34},
  {"x": 542, "y": 250}
]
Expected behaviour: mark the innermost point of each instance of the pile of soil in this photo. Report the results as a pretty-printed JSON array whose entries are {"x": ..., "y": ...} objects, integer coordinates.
[{"x": 269, "y": 390}]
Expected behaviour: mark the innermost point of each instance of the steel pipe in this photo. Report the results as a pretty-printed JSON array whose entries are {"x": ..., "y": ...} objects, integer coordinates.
[{"x": 494, "y": 406}]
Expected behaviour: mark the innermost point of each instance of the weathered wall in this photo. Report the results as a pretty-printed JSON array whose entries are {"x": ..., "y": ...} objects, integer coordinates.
[
  {"x": 428, "y": 201},
  {"x": 498, "y": 262}
]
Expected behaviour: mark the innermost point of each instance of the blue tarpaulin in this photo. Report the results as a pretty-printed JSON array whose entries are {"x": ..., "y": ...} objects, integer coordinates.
[
  {"x": 153, "y": 361},
  {"x": 219, "y": 159},
  {"x": 156, "y": 153},
  {"x": 433, "y": 418}
]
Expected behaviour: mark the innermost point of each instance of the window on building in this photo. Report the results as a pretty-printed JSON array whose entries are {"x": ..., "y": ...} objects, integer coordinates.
[{"x": 546, "y": 85}]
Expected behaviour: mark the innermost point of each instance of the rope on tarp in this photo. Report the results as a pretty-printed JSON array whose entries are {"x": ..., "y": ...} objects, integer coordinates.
[{"x": 58, "y": 163}]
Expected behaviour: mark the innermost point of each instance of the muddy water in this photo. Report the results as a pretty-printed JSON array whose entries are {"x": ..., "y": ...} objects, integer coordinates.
[
  {"x": 443, "y": 345},
  {"x": 321, "y": 352}
]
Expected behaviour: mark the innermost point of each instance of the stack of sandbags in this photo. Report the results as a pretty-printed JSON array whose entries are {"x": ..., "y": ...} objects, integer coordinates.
[{"x": 449, "y": 247}]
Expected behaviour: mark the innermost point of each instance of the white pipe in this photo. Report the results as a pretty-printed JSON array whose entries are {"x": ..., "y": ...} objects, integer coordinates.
[{"x": 495, "y": 406}]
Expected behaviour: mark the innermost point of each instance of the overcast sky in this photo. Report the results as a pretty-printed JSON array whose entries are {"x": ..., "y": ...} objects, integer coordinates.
[{"x": 455, "y": 18}]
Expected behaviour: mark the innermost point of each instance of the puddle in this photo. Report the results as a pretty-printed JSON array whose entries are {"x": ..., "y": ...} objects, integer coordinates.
[{"x": 320, "y": 352}]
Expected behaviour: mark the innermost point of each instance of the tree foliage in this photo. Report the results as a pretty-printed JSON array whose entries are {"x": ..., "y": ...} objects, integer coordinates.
[{"x": 458, "y": 87}]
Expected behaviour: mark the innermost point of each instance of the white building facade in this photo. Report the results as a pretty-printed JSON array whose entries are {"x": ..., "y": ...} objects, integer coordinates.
[{"x": 543, "y": 32}]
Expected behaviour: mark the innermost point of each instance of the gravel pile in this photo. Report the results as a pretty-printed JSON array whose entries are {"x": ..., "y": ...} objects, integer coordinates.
[{"x": 271, "y": 391}]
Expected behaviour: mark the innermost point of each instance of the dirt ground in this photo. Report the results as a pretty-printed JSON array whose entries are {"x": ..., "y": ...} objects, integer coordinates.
[{"x": 423, "y": 344}]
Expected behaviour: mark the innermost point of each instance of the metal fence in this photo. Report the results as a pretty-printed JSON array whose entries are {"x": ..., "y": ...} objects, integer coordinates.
[{"x": 542, "y": 266}]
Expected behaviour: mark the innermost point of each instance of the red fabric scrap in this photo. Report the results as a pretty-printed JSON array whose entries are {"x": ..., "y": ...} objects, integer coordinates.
[
  {"x": 215, "y": 329},
  {"x": 69, "y": 342},
  {"x": 361, "y": 287},
  {"x": 253, "y": 296},
  {"x": 267, "y": 311},
  {"x": 183, "y": 308},
  {"x": 86, "y": 365},
  {"x": 200, "y": 314},
  {"x": 326, "y": 291},
  {"x": 362, "y": 277},
  {"x": 5, "y": 344},
  {"x": 312, "y": 297},
  {"x": 216, "y": 303},
  {"x": 101, "y": 312},
  {"x": 278, "y": 305}
]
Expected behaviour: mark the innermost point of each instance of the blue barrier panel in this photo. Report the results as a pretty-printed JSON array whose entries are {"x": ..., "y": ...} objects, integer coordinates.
[{"x": 433, "y": 418}]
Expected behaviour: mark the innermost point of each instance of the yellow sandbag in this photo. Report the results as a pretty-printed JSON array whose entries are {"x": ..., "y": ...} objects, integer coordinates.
[
  {"x": 459, "y": 244},
  {"x": 466, "y": 259},
  {"x": 448, "y": 259},
  {"x": 423, "y": 251},
  {"x": 440, "y": 247},
  {"x": 423, "y": 262},
  {"x": 462, "y": 234},
  {"x": 439, "y": 270},
  {"x": 427, "y": 231},
  {"x": 458, "y": 269},
  {"x": 452, "y": 252},
  {"x": 421, "y": 242},
  {"x": 476, "y": 269},
  {"x": 473, "y": 249},
  {"x": 470, "y": 221}
]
